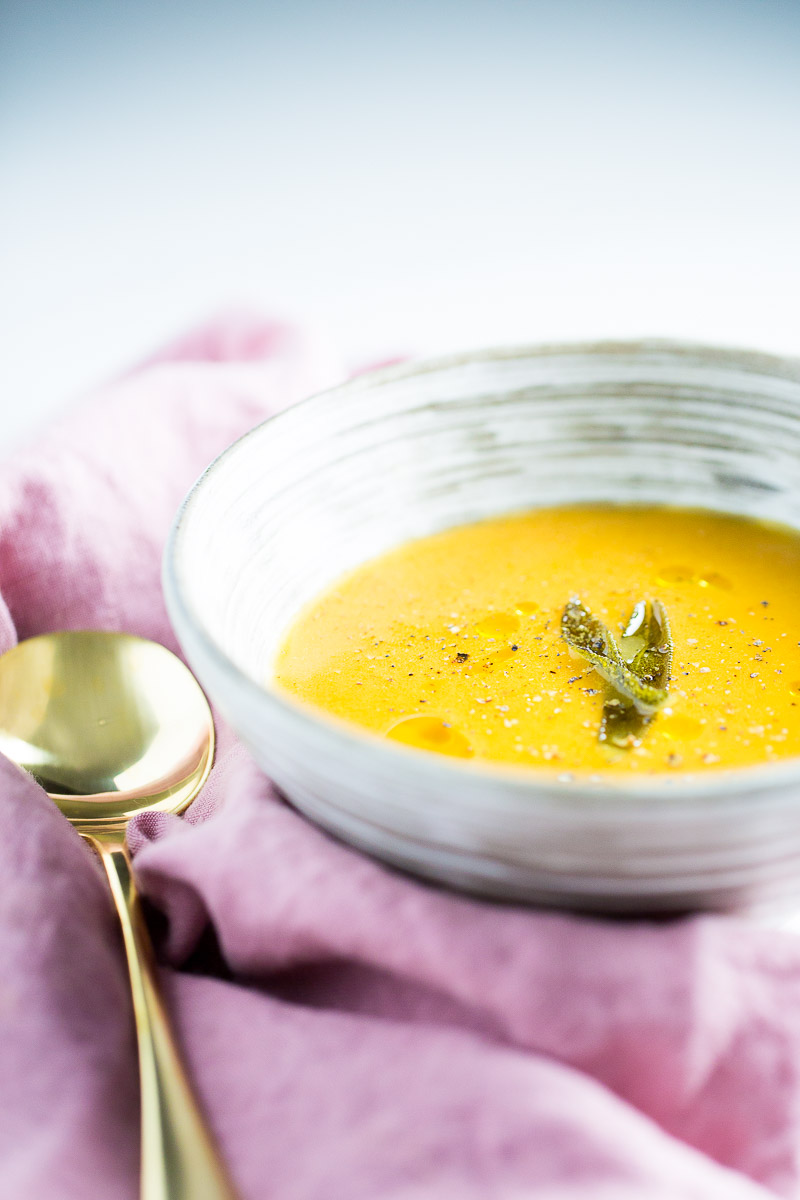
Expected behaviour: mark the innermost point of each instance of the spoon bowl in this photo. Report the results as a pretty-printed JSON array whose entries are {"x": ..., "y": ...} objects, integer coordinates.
[{"x": 109, "y": 724}]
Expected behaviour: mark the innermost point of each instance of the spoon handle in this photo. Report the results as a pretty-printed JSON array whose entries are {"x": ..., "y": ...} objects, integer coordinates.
[{"x": 178, "y": 1160}]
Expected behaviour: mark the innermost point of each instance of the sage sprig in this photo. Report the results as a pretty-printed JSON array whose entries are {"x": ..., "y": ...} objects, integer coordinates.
[{"x": 637, "y": 670}]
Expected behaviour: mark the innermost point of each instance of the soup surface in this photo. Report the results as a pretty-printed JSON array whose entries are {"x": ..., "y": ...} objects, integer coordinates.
[{"x": 454, "y": 644}]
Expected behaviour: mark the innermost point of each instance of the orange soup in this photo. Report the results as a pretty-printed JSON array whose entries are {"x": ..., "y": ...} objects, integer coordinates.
[{"x": 456, "y": 643}]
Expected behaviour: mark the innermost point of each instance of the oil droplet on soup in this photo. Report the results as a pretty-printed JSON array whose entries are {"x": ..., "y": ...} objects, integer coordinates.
[
  {"x": 452, "y": 644},
  {"x": 681, "y": 728},
  {"x": 497, "y": 625},
  {"x": 668, "y": 576},
  {"x": 431, "y": 733},
  {"x": 713, "y": 579}
]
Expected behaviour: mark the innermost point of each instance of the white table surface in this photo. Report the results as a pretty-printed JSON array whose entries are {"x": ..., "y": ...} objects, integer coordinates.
[{"x": 411, "y": 177}]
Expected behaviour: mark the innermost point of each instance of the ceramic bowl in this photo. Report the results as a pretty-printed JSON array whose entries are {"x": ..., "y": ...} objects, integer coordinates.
[{"x": 413, "y": 449}]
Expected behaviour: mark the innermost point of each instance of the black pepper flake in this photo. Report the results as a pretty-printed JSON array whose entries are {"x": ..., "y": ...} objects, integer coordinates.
[
  {"x": 574, "y": 679},
  {"x": 462, "y": 656},
  {"x": 515, "y": 647},
  {"x": 722, "y": 622},
  {"x": 765, "y": 603}
]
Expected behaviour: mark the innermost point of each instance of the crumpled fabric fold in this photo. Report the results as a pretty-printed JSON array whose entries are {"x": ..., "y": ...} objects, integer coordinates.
[{"x": 353, "y": 1033}]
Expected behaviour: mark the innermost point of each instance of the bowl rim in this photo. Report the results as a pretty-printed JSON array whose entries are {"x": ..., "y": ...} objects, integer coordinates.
[{"x": 526, "y": 781}]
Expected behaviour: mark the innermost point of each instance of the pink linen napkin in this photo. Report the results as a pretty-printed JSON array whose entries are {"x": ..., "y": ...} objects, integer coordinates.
[{"x": 353, "y": 1034}]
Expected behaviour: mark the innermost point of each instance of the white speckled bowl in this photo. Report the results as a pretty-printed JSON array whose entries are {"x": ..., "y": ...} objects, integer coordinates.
[{"x": 411, "y": 450}]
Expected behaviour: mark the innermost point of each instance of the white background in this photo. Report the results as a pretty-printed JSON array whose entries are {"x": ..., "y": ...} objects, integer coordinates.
[{"x": 412, "y": 177}]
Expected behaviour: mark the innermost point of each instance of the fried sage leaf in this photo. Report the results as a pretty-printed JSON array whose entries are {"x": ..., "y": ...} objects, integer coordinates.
[
  {"x": 590, "y": 638},
  {"x": 646, "y": 645}
]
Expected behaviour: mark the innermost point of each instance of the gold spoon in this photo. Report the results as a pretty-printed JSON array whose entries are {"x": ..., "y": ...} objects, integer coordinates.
[{"x": 112, "y": 725}]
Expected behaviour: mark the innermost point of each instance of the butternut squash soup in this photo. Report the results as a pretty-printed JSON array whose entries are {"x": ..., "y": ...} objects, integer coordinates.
[{"x": 581, "y": 639}]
